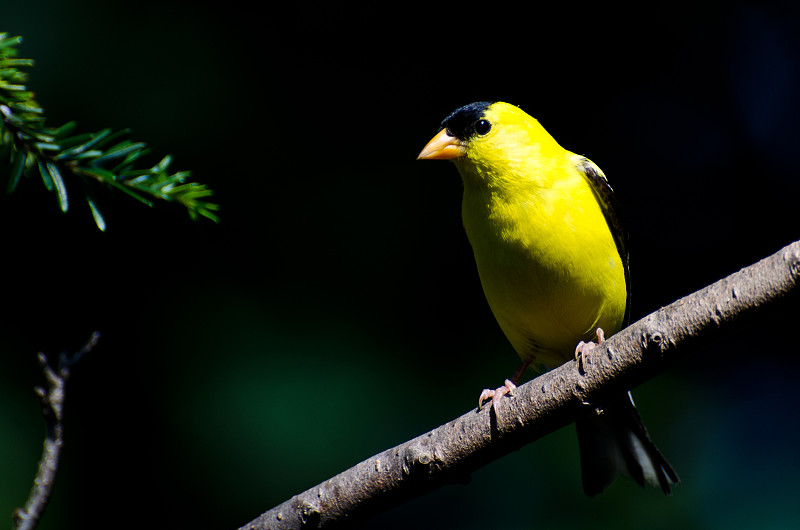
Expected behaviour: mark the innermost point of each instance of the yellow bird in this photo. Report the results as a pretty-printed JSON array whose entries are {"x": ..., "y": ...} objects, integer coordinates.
[{"x": 551, "y": 257}]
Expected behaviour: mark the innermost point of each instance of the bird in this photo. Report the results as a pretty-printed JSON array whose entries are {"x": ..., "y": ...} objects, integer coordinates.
[{"x": 551, "y": 254}]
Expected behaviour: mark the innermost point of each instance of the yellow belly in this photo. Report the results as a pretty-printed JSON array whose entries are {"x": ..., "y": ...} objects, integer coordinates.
[{"x": 549, "y": 268}]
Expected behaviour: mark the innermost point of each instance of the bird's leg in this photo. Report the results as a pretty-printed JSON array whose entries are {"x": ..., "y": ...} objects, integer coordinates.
[
  {"x": 584, "y": 348},
  {"x": 508, "y": 386}
]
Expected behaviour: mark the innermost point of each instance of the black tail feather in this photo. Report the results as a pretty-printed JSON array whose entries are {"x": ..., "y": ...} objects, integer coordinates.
[{"x": 615, "y": 441}]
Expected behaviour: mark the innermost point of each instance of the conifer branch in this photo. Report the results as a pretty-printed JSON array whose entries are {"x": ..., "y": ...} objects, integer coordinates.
[
  {"x": 449, "y": 453},
  {"x": 57, "y": 154}
]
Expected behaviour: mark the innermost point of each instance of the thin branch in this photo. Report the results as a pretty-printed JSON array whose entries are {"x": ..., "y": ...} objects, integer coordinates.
[
  {"x": 52, "y": 401},
  {"x": 451, "y": 452}
]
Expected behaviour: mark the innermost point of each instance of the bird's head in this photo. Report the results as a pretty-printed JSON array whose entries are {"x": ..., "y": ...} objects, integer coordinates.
[{"x": 491, "y": 139}]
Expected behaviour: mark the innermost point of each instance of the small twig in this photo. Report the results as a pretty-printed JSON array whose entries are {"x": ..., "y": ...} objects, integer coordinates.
[
  {"x": 452, "y": 451},
  {"x": 52, "y": 401}
]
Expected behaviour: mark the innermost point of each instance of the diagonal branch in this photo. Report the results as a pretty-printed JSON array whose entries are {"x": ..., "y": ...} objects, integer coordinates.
[
  {"x": 452, "y": 451},
  {"x": 52, "y": 401}
]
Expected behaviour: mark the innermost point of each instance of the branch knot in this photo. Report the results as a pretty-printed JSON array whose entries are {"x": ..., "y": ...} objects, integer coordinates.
[
  {"x": 417, "y": 460},
  {"x": 309, "y": 514},
  {"x": 654, "y": 341},
  {"x": 792, "y": 258}
]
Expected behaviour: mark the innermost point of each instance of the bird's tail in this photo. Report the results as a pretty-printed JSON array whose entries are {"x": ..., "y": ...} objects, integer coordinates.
[{"x": 614, "y": 441}]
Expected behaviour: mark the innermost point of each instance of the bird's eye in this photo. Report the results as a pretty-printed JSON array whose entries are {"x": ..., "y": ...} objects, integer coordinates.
[{"x": 482, "y": 126}]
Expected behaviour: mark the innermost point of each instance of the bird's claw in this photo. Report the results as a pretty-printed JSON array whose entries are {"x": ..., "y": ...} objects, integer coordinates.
[
  {"x": 496, "y": 394},
  {"x": 584, "y": 348}
]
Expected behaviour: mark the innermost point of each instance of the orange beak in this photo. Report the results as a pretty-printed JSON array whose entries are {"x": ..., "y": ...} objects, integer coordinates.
[{"x": 443, "y": 147}]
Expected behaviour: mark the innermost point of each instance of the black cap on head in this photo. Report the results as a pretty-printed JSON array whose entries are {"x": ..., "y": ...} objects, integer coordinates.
[{"x": 461, "y": 122}]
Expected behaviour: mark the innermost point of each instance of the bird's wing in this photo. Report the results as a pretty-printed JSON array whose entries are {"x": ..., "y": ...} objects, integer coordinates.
[{"x": 611, "y": 211}]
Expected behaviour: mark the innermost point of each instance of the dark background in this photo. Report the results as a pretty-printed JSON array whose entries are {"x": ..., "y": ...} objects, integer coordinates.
[{"x": 336, "y": 311}]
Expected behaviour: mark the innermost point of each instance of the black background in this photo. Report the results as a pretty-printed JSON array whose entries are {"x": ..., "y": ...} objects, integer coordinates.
[{"x": 335, "y": 311}]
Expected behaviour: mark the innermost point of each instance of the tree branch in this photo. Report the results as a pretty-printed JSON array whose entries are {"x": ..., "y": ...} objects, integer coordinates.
[
  {"x": 449, "y": 453},
  {"x": 52, "y": 401}
]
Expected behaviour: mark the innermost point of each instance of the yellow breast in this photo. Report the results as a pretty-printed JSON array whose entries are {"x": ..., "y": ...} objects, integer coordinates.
[{"x": 547, "y": 260}]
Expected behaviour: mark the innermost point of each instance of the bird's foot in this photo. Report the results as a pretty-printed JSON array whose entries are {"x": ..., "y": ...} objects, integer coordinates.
[
  {"x": 584, "y": 348},
  {"x": 496, "y": 394}
]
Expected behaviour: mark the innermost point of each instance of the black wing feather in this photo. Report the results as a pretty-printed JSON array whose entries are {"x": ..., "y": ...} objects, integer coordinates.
[{"x": 611, "y": 211}]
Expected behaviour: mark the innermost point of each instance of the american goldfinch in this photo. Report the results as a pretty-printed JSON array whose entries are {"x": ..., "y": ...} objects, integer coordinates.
[{"x": 551, "y": 257}]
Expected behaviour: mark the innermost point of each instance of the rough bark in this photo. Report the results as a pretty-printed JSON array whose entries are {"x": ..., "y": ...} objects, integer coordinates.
[{"x": 451, "y": 452}]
